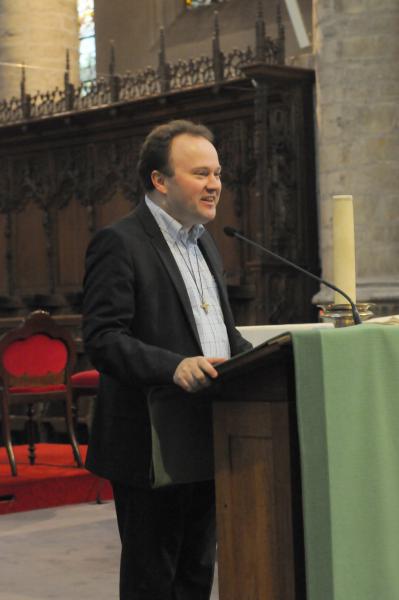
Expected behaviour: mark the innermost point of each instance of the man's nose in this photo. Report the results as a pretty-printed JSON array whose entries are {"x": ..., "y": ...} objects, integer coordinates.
[{"x": 213, "y": 182}]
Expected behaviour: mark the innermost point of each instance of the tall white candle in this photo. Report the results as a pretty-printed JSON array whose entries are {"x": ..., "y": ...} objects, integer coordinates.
[{"x": 344, "y": 248}]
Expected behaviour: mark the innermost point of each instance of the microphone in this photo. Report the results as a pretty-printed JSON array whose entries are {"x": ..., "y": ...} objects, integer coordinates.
[{"x": 232, "y": 232}]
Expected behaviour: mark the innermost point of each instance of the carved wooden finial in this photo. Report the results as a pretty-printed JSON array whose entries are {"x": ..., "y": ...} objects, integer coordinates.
[
  {"x": 280, "y": 35},
  {"x": 23, "y": 80},
  {"x": 260, "y": 33},
  {"x": 162, "y": 43},
  {"x": 67, "y": 62},
  {"x": 67, "y": 70},
  {"x": 163, "y": 67},
  {"x": 114, "y": 79},
  {"x": 112, "y": 58},
  {"x": 216, "y": 29},
  {"x": 25, "y": 98},
  {"x": 68, "y": 86},
  {"x": 217, "y": 55},
  {"x": 259, "y": 10}
]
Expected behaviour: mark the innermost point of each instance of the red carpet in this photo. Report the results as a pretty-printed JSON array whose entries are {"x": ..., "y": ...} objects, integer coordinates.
[{"x": 54, "y": 480}]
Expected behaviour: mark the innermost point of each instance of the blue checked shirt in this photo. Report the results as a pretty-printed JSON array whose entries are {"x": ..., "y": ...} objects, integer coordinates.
[{"x": 189, "y": 259}]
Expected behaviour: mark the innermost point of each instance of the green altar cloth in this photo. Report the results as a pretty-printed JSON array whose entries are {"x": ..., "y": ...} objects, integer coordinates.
[{"x": 347, "y": 383}]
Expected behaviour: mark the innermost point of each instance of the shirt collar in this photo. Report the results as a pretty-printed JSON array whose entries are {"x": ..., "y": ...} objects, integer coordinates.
[{"x": 172, "y": 228}]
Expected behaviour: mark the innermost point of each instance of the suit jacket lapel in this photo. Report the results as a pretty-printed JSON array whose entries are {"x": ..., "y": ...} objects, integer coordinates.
[{"x": 162, "y": 248}]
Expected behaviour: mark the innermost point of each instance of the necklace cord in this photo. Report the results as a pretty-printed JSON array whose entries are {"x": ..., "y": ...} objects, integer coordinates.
[{"x": 200, "y": 287}]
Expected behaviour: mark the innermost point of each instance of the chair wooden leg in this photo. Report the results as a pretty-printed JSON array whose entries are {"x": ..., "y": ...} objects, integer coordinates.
[
  {"x": 75, "y": 410},
  {"x": 31, "y": 434},
  {"x": 71, "y": 432},
  {"x": 5, "y": 420}
]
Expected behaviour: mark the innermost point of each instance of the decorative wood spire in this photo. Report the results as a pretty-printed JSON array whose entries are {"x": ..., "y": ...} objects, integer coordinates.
[
  {"x": 280, "y": 36},
  {"x": 114, "y": 80},
  {"x": 25, "y": 98},
  {"x": 217, "y": 55},
  {"x": 68, "y": 86},
  {"x": 260, "y": 33},
  {"x": 163, "y": 67}
]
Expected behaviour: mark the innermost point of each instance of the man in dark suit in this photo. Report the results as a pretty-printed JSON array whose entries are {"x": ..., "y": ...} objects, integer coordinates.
[{"x": 156, "y": 312}]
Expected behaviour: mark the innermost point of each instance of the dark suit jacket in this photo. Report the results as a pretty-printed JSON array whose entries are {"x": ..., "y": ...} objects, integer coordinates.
[{"x": 138, "y": 325}]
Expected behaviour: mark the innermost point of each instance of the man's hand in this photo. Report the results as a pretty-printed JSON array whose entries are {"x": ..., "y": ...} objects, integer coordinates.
[{"x": 196, "y": 372}]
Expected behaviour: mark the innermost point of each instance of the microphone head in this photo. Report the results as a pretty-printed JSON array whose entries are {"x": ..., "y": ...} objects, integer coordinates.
[{"x": 230, "y": 231}]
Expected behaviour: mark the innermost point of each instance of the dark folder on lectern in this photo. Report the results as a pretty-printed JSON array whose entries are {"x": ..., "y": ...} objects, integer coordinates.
[{"x": 182, "y": 438}]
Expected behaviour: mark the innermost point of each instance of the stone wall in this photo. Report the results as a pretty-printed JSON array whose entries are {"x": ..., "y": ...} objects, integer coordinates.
[
  {"x": 356, "y": 47},
  {"x": 37, "y": 33}
]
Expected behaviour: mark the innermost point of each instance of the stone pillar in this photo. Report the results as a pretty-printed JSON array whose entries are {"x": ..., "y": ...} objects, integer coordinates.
[
  {"x": 356, "y": 47},
  {"x": 37, "y": 33}
]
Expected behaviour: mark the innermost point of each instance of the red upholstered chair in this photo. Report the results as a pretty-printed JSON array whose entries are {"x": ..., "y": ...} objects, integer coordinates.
[
  {"x": 84, "y": 383},
  {"x": 36, "y": 361},
  {"x": 84, "y": 387}
]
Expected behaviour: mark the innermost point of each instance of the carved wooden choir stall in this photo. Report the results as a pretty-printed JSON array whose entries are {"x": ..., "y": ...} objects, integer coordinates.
[{"x": 68, "y": 167}]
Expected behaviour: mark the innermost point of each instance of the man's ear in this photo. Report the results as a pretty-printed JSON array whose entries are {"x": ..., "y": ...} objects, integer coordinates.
[{"x": 158, "y": 181}]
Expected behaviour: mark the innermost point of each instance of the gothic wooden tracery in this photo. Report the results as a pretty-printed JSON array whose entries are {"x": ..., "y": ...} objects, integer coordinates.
[{"x": 64, "y": 176}]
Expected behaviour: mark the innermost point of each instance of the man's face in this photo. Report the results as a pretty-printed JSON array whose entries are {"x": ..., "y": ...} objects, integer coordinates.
[{"x": 192, "y": 193}]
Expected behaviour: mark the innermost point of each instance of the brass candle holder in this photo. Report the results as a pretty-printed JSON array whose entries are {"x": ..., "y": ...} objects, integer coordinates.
[{"x": 341, "y": 314}]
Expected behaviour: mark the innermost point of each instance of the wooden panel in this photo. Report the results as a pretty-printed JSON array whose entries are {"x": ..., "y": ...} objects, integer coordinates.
[
  {"x": 3, "y": 249},
  {"x": 256, "y": 477},
  {"x": 230, "y": 249},
  {"x": 73, "y": 237},
  {"x": 31, "y": 270},
  {"x": 264, "y": 138},
  {"x": 111, "y": 211},
  {"x": 255, "y": 530}
]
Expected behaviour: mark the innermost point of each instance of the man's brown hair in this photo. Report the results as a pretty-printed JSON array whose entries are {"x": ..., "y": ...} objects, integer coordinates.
[{"x": 155, "y": 151}]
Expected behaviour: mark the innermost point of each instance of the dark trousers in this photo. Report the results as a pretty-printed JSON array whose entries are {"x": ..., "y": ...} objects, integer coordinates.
[{"x": 168, "y": 540}]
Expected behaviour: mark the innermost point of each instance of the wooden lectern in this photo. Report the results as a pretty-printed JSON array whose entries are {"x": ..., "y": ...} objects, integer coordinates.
[
  {"x": 259, "y": 506},
  {"x": 345, "y": 392}
]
